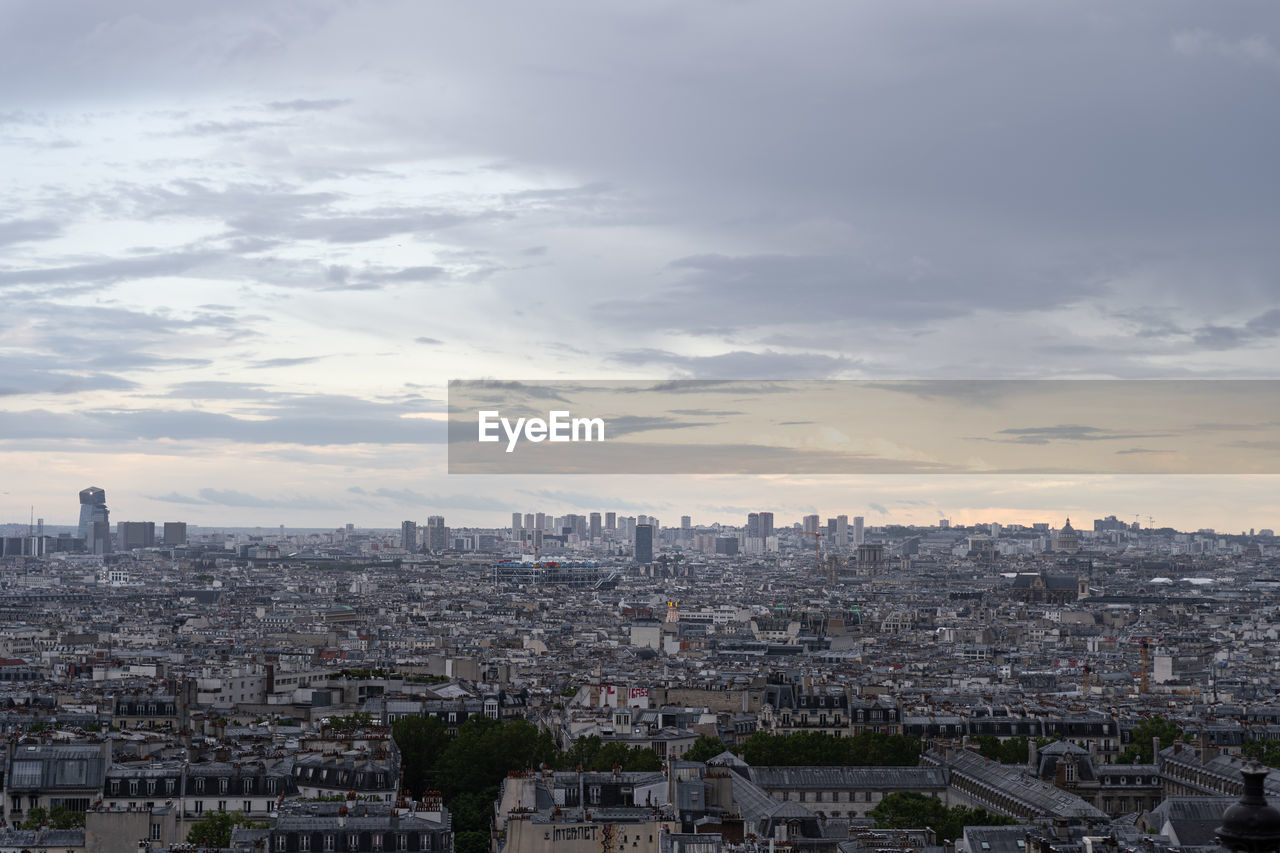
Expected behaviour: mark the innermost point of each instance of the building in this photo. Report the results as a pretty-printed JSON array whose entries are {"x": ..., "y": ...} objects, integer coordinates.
[
  {"x": 811, "y": 524},
  {"x": 175, "y": 533},
  {"x": 94, "y": 526},
  {"x": 859, "y": 534},
  {"x": 409, "y": 535},
  {"x": 136, "y": 534},
  {"x": 644, "y": 543},
  {"x": 437, "y": 534},
  {"x": 596, "y": 528},
  {"x": 351, "y": 826}
]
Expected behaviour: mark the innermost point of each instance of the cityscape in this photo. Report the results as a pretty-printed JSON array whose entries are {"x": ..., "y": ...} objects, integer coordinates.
[
  {"x": 810, "y": 684},
  {"x": 740, "y": 426}
]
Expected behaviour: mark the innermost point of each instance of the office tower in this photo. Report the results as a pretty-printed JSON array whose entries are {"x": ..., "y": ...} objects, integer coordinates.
[
  {"x": 811, "y": 524},
  {"x": 175, "y": 533},
  {"x": 93, "y": 507},
  {"x": 831, "y": 531},
  {"x": 610, "y": 521},
  {"x": 841, "y": 539},
  {"x": 517, "y": 522},
  {"x": 531, "y": 522},
  {"x": 40, "y": 527},
  {"x": 540, "y": 521},
  {"x": 753, "y": 525},
  {"x": 642, "y": 519},
  {"x": 437, "y": 533},
  {"x": 859, "y": 537},
  {"x": 628, "y": 528},
  {"x": 136, "y": 534},
  {"x": 644, "y": 543},
  {"x": 766, "y": 525},
  {"x": 409, "y": 535},
  {"x": 686, "y": 522},
  {"x": 597, "y": 530}
]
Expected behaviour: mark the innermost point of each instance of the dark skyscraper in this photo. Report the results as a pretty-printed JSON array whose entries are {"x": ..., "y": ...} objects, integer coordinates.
[
  {"x": 437, "y": 533},
  {"x": 644, "y": 543},
  {"x": 409, "y": 535},
  {"x": 595, "y": 529},
  {"x": 136, "y": 534},
  {"x": 175, "y": 533}
]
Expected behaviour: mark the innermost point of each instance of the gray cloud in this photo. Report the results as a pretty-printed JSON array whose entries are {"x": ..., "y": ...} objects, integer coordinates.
[
  {"x": 28, "y": 230},
  {"x": 742, "y": 364}
]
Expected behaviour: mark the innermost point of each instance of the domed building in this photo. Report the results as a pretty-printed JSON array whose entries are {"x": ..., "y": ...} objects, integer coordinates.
[{"x": 1066, "y": 542}]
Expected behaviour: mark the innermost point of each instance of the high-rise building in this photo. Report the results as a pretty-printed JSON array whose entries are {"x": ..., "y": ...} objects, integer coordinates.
[
  {"x": 859, "y": 535},
  {"x": 597, "y": 532},
  {"x": 409, "y": 535},
  {"x": 766, "y": 525},
  {"x": 530, "y": 522},
  {"x": 644, "y": 543},
  {"x": 811, "y": 524},
  {"x": 610, "y": 521},
  {"x": 437, "y": 533},
  {"x": 540, "y": 521},
  {"x": 136, "y": 534},
  {"x": 841, "y": 539},
  {"x": 517, "y": 522},
  {"x": 175, "y": 533},
  {"x": 753, "y": 525},
  {"x": 95, "y": 527},
  {"x": 686, "y": 522}
]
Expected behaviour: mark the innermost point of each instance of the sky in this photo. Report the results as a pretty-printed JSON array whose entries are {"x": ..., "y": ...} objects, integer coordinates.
[{"x": 245, "y": 245}]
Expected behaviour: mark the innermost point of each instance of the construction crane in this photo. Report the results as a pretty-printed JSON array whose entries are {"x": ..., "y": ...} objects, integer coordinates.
[
  {"x": 817, "y": 555},
  {"x": 1144, "y": 663}
]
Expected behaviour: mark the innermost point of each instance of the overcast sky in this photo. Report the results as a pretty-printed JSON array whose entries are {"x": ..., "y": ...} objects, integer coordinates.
[{"x": 244, "y": 245}]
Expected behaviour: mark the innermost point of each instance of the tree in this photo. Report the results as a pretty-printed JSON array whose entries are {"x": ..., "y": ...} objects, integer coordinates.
[
  {"x": 421, "y": 740},
  {"x": 909, "y": 810},
  {"x": 818, "y": 749},
  {"x": 913, "y": 810},
  {"x": 471, "y": 841},
  {"x": 1266, "y": 751},
  {"x": 215, "y": 829},
  {"x": 59, "y": 817},
  {"x": 705, "y": 747},
  {"x": 1140, "y": 751}
]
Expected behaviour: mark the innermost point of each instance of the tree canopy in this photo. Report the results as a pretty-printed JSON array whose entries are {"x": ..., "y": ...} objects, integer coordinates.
[
  {"x": 913, "y": 810},
  {"x": 808, "y": 749},
  {"x": 1140, "y": 751}
]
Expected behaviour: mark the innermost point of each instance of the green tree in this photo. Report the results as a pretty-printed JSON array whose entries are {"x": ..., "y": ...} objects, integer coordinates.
[
  {"x": 705, "y": 747},
  {"x": 471, "y": 841},
  {"x": 421, "y": 740},
  {"x": 1139, "y": 751},
  {"x": 913, "y": 810},
  {"x": 869, "y": 749},
  {"x": 1266, "y": 751},
  {"x": 909, "y": 810},
  {"x": 214, "y": 830}
]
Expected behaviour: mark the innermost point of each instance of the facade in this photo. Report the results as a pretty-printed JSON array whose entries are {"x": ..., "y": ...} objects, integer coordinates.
[
  {"x": 354, "y": 826},
  {"x": 644, "y": 543}
]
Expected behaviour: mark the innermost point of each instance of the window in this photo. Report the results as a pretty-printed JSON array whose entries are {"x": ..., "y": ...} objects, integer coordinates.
[
  {"x": 199, "y": 806},
  {"x": 168, "y": 786},
  {"x": 223, "y": 784},
  {"x": 222, "y": 805},
  {"x": 155, "y": 832},
  {"x": 200, "y": 785},
  {"x": 377, "y": 841},
  {"x": 115, "y": 785},
  {"x": 353, "y": 841},
  {"x": 304, "y": 842},
  {"x": 593, "y": 795},
  {"x": 247, "y": 806},
  {"x": 328, "y": 842},
  {"x": 133, "y": 787},
  {"x": 402, "y": 842}
]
